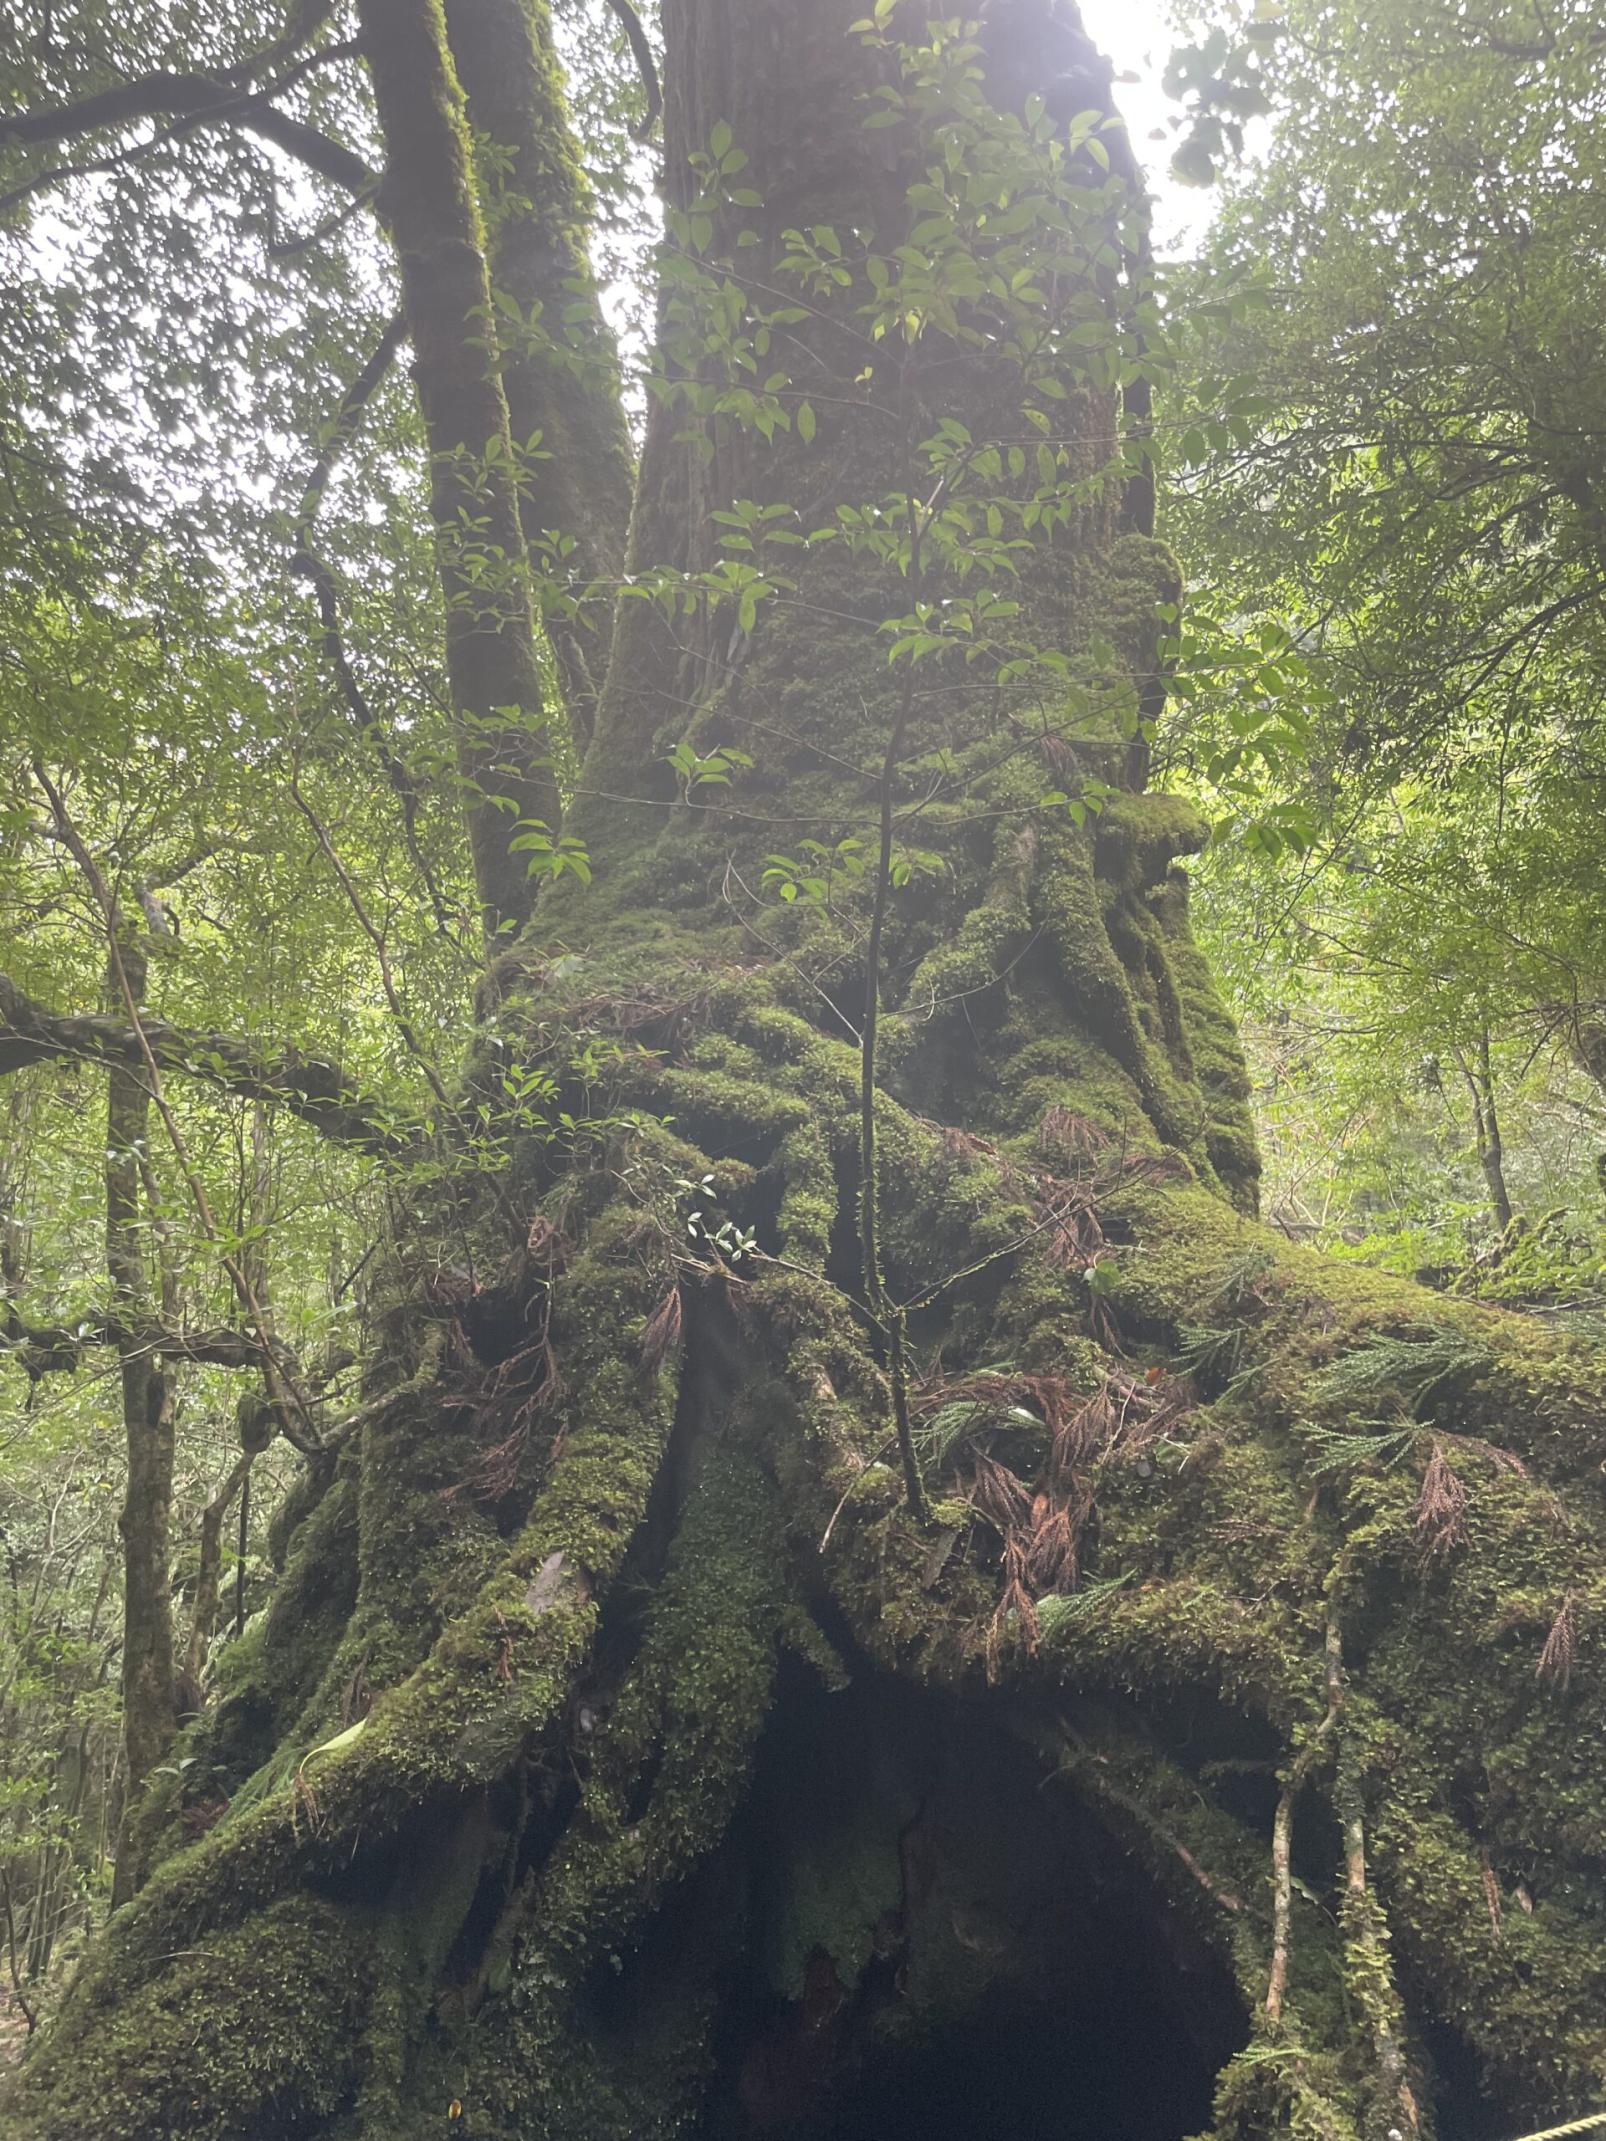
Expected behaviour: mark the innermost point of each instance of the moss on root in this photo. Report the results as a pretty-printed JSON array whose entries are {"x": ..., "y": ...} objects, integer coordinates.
[
  {"x": 258, "y": 2024},
  {"x": 565, "y": 1682}
]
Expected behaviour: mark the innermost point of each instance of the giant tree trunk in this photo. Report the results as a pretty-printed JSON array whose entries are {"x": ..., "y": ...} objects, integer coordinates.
[{"x": 622, "y": 1756}]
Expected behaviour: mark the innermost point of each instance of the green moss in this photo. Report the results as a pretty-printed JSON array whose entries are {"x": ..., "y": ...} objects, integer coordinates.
[
  {"x": 1138, "y": 837},
  {"x": 664, "y": 1772},
  {"x": 264, "y": 2016},
  {"x": 1213, "y": 1043}
]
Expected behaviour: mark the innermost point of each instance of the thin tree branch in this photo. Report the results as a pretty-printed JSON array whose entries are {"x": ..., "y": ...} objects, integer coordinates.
[
  {"x": 56, "y": 1348},
  {"x": 375, "y": 936},
  {"x": 193, "y": 100},
  {"x": 239, "y": 1277},
  {"x": 317, "y": 1091},
  {"x": 636, "y": 37},
  {"x": 347, "y": 417},
  {"x": 288, "y": 248}
]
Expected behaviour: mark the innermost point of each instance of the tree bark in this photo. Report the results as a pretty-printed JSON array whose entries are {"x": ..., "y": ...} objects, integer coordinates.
[
  {"x": 560, "y": 369},
  {"x": 145, "y": 1520},
  {"x": 1486, "y": 1124},
  {"x": 208, "y": 1577},
  {"x": 428, "y": 202}
]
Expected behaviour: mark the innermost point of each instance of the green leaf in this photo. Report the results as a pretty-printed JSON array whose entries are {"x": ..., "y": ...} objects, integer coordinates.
[{"x": 336, "y": 1745}]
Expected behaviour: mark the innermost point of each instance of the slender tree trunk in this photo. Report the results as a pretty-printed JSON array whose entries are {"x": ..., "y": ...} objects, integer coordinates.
[
  {"x": 1493, "y": 1155},
  {"x": 1590, "y": 1047},
  {"x": 208, "y": 1577},
  {"x": 147, "y": 1392},
  {"x": 256, "y": 1415},
  {"x": 1479, "y": 1076}
]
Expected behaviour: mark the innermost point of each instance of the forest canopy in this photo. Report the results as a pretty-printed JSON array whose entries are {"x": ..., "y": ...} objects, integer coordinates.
[{"x": 803, "y": 1058}]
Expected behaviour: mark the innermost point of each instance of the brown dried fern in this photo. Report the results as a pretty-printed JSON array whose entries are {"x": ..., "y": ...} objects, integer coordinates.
[
  {"x": 660, "y": 1334},
  {"x": 1084, "y": 1431},
  {"x": 1051, "y": 1546},
  {"x": 998, "y": 1495},
  {"x": 1560, "y": 1654},
  {"x": 1015, "y": 1608},
  {"x": 1441, "y": 1507}
]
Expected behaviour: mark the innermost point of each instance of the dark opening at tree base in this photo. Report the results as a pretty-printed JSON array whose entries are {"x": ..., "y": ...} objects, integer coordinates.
[{"x": 931, "y": 1936}]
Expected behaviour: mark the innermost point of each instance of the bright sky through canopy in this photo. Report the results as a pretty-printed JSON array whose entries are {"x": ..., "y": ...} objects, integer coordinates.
[{"x": 1138, "y": 36}]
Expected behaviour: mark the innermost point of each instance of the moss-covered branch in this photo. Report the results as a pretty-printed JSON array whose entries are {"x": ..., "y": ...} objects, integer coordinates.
[{"x": 317, "y": 1091}]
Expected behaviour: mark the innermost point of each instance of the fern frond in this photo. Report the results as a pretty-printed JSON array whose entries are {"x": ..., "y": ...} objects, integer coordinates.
[
  {"x": 1409, "y": 1368},
  {"x": 1203, "y": 1351},
  {"x": 1065, "y": 1609},
  {"x": 1243, "y": 1278},
  {"x": 1329, "y": 1451}
]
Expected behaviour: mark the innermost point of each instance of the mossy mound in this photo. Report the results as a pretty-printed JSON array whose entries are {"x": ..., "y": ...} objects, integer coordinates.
[{"x": 1221, "y": 1527}]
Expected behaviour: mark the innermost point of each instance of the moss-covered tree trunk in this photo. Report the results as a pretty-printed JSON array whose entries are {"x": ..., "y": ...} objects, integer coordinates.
[
  {"x": 148, "y": 1434},
  {"x": 620, "y": 1755},
  {"x": 430, "y": 207},
  {"x": 560, "y": 370}
]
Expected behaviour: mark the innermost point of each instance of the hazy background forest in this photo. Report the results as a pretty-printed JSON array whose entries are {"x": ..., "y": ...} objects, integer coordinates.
[{"x": 1381, "y": 261}]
